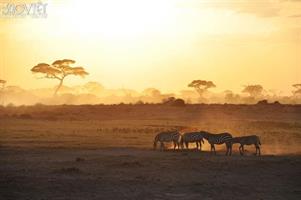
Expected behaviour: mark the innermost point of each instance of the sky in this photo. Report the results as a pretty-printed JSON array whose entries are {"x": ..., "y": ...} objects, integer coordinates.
[{"x": 164, "y": 44}]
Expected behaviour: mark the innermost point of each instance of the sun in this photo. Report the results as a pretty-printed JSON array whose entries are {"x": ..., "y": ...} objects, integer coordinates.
[{"x": 118, "y": 18}]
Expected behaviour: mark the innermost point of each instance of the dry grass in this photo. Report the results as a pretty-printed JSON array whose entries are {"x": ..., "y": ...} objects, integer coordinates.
[
  {"x": 279, "y": 126},
  {"x": 103, "y": 152}
]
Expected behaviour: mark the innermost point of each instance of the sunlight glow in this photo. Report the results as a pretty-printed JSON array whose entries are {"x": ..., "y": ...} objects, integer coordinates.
[
  {"x": 125, "y": 39},
  {"x": 117, "y": 18}
]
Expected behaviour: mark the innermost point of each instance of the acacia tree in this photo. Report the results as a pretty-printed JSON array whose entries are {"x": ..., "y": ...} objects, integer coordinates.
[
  {"x": 297, "y": 90},
  {"x": 201, "y": 86},
  {"x": 59, "y": 70},
  {"x": 253, "y": 90}
]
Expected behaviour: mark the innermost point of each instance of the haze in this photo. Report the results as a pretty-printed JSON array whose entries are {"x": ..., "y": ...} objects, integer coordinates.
[{"x": 139, "y": 44}]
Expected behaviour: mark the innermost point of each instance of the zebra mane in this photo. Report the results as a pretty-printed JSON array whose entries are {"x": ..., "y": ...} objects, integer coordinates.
[{"x": 205, "y": 132}]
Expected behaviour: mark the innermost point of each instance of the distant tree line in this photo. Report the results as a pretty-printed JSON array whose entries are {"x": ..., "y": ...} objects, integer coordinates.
[
  {"x": 254, "y": 91},
  {"x": 60, "y": 69}
]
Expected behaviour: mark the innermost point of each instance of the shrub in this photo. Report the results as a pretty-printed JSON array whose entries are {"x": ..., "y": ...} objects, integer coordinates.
[
  {"x": 173, "y": 101},
  {"x": 178, "y": 102},
  {"x": 263, "y": 102}
]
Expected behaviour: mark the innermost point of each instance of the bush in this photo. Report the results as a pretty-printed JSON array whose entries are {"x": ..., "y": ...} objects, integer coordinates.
[
  {"x": 263, "y": 102},
  {"x": 173, "y": 101},
  {"x": 140, "y": 102},
  {"x": 178, "y": 102}
]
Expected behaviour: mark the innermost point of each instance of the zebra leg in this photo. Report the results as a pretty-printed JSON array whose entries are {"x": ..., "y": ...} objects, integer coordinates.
[
  {"x": 230, "y": 149},
  {"x": 227, "y": 147},
  {"x": 214, "y": 149},
  {"x": 240, "y": 150},
  {"x": 178, "y": 145},
  {"x": 257, "y": 150},
  {"x": 161, "y": 146},
  {"x": 174, "y": 145},
  {"x": 187, "y": 145},
  {"x": 228, "y": 152},
  {"x": 182, "y": 145},
  {"x": 200, "y": 146},
  {"x": 197, "y": 145}
]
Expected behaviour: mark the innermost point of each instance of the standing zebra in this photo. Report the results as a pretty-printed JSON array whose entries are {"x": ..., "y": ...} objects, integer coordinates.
[
  {"x": 167, "y": 136},
  {"x": 220, "y": 138},
  {"x": 189, "y": 137},
  {"x": 247, "y": 140}
]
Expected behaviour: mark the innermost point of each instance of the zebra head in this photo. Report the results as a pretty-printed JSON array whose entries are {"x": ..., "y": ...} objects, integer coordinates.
[{"x": 205, "y": 134}]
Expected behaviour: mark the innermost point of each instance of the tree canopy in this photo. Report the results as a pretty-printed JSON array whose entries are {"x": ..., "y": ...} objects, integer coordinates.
[
  {"x": 297, "y": 90},
  {"x": 253, "y": 90},
  {"x": 59, "y": 69},
  {"x": 201, "y": 86}
]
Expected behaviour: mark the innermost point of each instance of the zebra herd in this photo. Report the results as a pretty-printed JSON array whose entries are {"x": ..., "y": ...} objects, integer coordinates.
[{"x": 179, "y": 140}]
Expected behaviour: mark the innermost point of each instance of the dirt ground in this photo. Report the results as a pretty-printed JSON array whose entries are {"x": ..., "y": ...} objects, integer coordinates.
[
  {"x": 129, "y": 173},
  {"x": 105, "y": 152}
]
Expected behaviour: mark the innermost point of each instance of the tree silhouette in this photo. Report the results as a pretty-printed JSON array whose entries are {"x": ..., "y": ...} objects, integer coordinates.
[
  {"x": 297, "y": 90},
  {"x": 201, "y": 86},
  {"x": 59, "y": 70},
  {"x": 2, "y": 84},
  {"x": 253, "y": 90}
]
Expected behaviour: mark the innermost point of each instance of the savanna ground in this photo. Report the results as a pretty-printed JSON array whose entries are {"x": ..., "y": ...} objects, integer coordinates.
[{"x": 105, "y": 152}]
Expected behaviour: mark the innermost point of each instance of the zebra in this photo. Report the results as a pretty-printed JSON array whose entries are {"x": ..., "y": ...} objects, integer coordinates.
[
  {"x": 167, "y": 136},
  {"x": 189, "y": 137},
  {"x": 247, "y": 140},
  {"x": 220, "y": 138}
]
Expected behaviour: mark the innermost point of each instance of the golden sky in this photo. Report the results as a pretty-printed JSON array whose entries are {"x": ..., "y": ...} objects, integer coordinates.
[{"x": 159, "y": 43}]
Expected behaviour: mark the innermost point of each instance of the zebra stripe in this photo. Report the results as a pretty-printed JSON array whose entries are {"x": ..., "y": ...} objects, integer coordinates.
[
  {"x": 167, "y": 136},
  {"x": 220, "y": 138},
  {"x": 247, "y": 140},
  {"x": 190, "y": 137}
]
